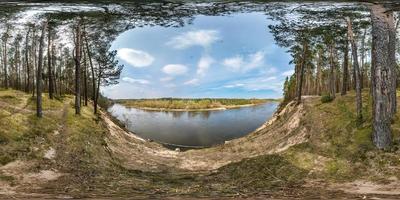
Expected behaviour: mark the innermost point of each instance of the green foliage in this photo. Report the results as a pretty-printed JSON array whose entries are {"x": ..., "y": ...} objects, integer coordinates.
[
  {"x": 104, "y": 102},
  {"x": 176, "y": 103},
  {"x": 326, "y": 98}
]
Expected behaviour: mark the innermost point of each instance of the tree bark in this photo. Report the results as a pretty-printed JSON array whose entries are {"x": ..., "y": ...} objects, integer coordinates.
[
  {"x": 382, "y": 76},
  {"x": 319, "y": 84},
  {"x": 5, "y": 40},
  {"x": 356, "y": 69},
  {"x": 85, "y": 89},
  {"x": 28, "y": 71},
  {"x": 78, "y": 69},
  {"x": 300, "y": 73},
  {"x": 49, "y": 63},
  {"x": 39, "y": 74},
  {"x": 332, "y": 81},
  {"x": 345, "y": 83},
  {"x": 93, "y": 74}
]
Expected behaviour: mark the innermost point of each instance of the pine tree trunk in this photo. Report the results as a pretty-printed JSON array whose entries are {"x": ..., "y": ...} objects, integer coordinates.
[
  {"x": 381, "y": 76},
  {"x": 300, "y": 74},
  {"x": 78, "y": 69},
  {"x": 49, "y": 64},
  {"x": 345, "y": 82},
  {"x": 356, "y": 69},
  {"x": 5, "y": 59},
  {"x": 39, "y": 74},
  {"x": 91, "y": 69},
  {"x": 28, "y": 72},
  {"x": 332, "y": 84}
]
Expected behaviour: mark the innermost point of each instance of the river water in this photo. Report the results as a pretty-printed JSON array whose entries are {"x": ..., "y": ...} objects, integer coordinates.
[{"x": 193, "y": 128}]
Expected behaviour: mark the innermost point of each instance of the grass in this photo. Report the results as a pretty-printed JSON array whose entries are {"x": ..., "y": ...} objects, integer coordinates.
[
  {"x": 339, "y": 149},
  {"x": 20, "y": 130},
  {"x": 173, "y": 103}
]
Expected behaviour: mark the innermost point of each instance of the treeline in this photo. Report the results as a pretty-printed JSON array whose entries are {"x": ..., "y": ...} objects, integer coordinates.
[
  {"x": 183, "y": 103},
  {"x": 58, "y": 59},
  {"x": 353, "y": 52}
]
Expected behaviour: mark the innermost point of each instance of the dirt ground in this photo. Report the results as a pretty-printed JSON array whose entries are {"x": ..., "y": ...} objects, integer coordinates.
[{"x": 159, "y": 172}]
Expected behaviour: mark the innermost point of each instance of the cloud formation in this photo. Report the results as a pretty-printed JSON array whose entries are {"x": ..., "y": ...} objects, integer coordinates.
[
  {"x": 134, "y": 57},
  {"x": 175, "y": 69},
  {"x": 133, "y": 81},
  {"x": 204, "y": 65},
  {"x": 194, "y": 81},
  {"x": 245, "y": 63},
  {"x": 202, "y": 38}
]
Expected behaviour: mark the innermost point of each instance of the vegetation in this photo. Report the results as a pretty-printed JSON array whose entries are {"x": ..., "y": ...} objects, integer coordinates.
[
  {"x": 321, "y": 58},
  {"x": 44, "y": 127},
  {"x": 176, "y": 103},
  {"x": 326, "y": 98}
]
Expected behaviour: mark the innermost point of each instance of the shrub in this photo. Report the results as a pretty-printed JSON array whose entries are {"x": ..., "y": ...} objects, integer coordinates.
[{"x": 326, "y": 98}]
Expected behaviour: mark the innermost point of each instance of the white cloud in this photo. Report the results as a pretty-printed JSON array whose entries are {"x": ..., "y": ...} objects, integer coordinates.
[
  {"x": 194, "y": 81},
  {"x": 255, "y": 60},
  {"x": 175, "y": 69},
  {"x": 288, "y": 73},
  {"x": 134, "y": 57},
  {"x": 234, "y": 63},
  {"x": 241, "y": 63},
  {"x": 259, "y": 83},
  {"x": 167, "y": 79},
  {"x": 202, "y": 38},
  {"x": 269, "y": 79},
  {"x": 236, "y": 85},
  {"x": 204, "y": 64},
  {"x": 133, "y": 81}
]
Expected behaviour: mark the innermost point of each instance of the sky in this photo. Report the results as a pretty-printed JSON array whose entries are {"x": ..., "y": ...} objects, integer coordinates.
[{"x": 231, "y": 56}]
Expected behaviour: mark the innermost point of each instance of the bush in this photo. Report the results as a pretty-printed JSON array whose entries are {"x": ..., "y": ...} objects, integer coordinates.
[{"x": 326, "y": 98}]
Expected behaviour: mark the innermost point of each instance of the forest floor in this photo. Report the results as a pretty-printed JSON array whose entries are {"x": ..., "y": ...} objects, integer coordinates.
[{"x": 313, "y": 150}]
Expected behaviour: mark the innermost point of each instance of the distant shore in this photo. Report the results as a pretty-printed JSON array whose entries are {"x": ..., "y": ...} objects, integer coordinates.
[{"x": 221, "y": 107}]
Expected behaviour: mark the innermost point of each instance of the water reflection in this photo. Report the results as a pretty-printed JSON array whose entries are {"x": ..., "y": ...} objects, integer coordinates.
[{"x": 203, "y": 128}]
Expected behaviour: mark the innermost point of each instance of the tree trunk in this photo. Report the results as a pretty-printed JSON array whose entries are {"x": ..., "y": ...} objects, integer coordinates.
[
  {"x": 28, "y": 72},
  {"x": 356, "y": 69},
  {"x": 96, "y": 99},
  {"x": 33, "y": 53},
  {"x": 39, "y": 74},
  {"x": 319, "y": 83},
  {"x": 85, "y": 90},
  {"x": 345, "y": 83},
  {"x": 5, "y": 58},
  {"x": 363, "y": 59},
  {"x": 78, "y": 69},
  {"x": 381, "y": 76},
  {"x": 54, "y": 69},
  {"x": 91, "y": 68},
  {"x": 300, "y": 73},
  {"x": 332, "y": 82},
  {"x": 49, "y": 64}
]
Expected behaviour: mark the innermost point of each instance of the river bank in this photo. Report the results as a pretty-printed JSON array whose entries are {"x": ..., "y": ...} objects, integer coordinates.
[
  {"x": 192, "y": 105},
  {"x": 195, "y": 110},
  {"x": 298, "y": 153}
]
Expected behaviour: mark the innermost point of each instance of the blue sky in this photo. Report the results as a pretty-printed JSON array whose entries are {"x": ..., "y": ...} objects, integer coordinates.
[{"x": 231, "y": 56}]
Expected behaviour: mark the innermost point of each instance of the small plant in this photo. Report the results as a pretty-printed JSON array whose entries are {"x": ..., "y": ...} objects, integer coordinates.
[{"x": 326, "y": 98}]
